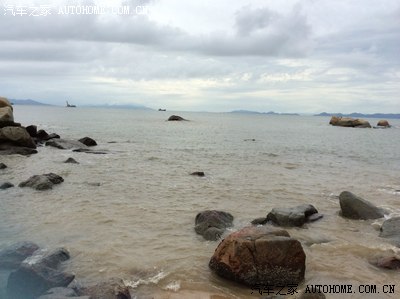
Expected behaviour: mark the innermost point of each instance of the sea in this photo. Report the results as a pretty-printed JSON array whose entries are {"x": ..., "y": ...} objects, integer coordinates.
[{"x": 130, "y": 213}]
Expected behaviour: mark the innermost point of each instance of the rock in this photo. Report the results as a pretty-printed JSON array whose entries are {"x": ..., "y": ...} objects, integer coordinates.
[
  {"x": 383, "y": 123},
  {"x": 355, "y": 207},
  {"x": 38, "y": 274},
  {"x": 89, "y": 151},
  {"x": 62, "y": 293},
  {"x": 3, "y": 166},
  {"x": 6, "y": 114},
  {"x": 4, "y": 102},
  {"x": 260, "y": 255},
  {"x": 6, "y": 185},
  {"x": 7, "y": 148},
  {"x": 32, "y": 130},
  {"x": 198, "y": 173},
  {"x": 349, "y": 122},
  {"x": 65, "y": 144},
  {"x": 12, "y": 256},
  {"x": 387, "y": 262},
  {"x": 71, "y": 160},
  {"x": 42, "y": 135},
  {"x": 259, "y": 221},
  {"x": 390, "y": 229},
  {"x": 17, "y": 136},
  {"x": 113, "y": 289},
  {"x": 211, "y": 224},
  {"x": 88, "y": 141},
  {"x": 175, "y": 118},
  {"x": 295, "y": 216},
  {"x": 42, "y": 182}
]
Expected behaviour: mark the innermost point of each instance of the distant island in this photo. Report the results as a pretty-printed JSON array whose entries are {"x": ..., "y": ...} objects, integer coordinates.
[
  {"x": 361, "y": 115},
  {"x": 27, "y": 102},
  {"x": 264, "y": 113}
]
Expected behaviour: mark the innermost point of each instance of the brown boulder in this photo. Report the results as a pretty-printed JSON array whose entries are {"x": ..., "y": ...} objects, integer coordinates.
[
  {"x": 18, "y": 136},
  {"x": 260, "y": 255},
  {"x": 383, "y": 123},
  {"x": 4, "y": 102},
  {"x": 6, "y": 114},
  {"x": 349, "y": 122}
]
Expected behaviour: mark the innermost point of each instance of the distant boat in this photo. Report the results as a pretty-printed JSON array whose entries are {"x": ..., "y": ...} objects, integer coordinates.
[
  {"x": 162, "y": 109},
  {"x": 70, "y": 106}
]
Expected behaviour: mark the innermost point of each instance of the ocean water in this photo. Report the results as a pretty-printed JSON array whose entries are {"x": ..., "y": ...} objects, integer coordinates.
[{"x": 130, "y": 213}]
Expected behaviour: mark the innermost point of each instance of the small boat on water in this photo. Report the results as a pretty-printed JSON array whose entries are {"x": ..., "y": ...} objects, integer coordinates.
[{"x": 70, "y": 106}]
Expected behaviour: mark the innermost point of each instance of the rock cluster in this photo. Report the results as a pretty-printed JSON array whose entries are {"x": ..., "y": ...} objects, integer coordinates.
[{"x": 349, "y": 122}]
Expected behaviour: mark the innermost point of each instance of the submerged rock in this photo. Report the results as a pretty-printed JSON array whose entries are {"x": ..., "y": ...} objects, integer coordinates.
[
  {"x": 3, "y": 166},
  {"x": 175, "y": 118},
  {"x": 355, "y": 207},
  {"x": 295, "y": 216},
  {"x": 390, "y": 229},
  {"x": 71, "y": 160},
  {"x": 387, "y": 262},
  {"x": 43, "y": 181},
  {"x": 12, "y": 256},
  {"x": 198, "y": 173},
  {"x": 6, "y": 185},
  {"x": 112, "y": 289},
  {"x": 88, "y": 141},
  {"x": 211, "y": 224},
  {"x": 38, "y": 274},
  {"x": 65, "y": 144},
  {"x": 89, "y": 151},
  {"x": 10, "y": 149},
  {"x": 260, "y": 255}
]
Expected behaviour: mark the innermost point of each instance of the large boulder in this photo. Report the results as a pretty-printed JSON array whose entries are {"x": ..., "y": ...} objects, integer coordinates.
[
  {"x": 12, "y": 256},
  {"x": 349, "y": 122},
  {"x": 43, "y": 181},
  {"x": 295, "y": 216},
  {"x": 211, "y": 224},
  {"x": 88, "y": 141},
  {"x": 260, "y": 255},
  {"x": 383, "y": 123},
  {"x": 6, "y": 114},
  {"x": 355, "y": 207},
  {"x": 4, "y": 102},
  {"x": 17, "y": 136},
  {"x": 38, "y": 274},
  {"x": 390, "y": 229}
]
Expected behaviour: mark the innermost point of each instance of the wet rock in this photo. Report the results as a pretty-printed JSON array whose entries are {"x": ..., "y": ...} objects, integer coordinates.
[
  {"x": 355, "y": 207},
  {"x": 387, "y": 262},
  {"x": 17, "y": 136},
  {"x": 211, "y": 224},
  {"x": 62, "y": 293},
  {"x": 32, "y": 130},
  {"x": 6, "y": 185},
  {"x": 38, "y": 274},
  {"x": 198, "y": 173},
  {"x": 89, "y": 151},
  {"x": 383, "y": 123},
  {"x": 260, "y": 255},
  {"x": 12, "y": 256},
  {"x": 7, "y": 148},
  {"x": 71, "y": 160},
  {"x": 295, "y": 216},
  {"x": 3, "y": 166},
  {"x": 175, "y": 118},
  {"x": 349, "y": 122},
  {"x": 259, "y": 221},
  {"x": 113, "y": 289},
  {"x": 42, "y": 135},
  {"x": 65, "y": 144},
  {"x": 43, "y": 181},
  {"x": 390, "y": 229},
  {"x": 88, "y": 141}
]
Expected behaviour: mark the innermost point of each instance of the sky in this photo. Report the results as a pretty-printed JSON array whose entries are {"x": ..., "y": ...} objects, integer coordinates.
[{"x": 305, "y": 56}]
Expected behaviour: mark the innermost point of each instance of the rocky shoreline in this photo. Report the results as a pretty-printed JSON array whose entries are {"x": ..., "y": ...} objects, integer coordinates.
[{"x": 261, "y": 253}]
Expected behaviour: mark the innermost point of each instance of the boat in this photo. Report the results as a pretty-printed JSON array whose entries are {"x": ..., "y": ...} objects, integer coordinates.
[
  {"x": 162, "y": 109},
  {"x": 70, "y": 106}
]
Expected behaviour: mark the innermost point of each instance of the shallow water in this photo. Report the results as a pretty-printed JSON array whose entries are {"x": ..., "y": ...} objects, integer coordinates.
[{"x": 130, "y": 213}]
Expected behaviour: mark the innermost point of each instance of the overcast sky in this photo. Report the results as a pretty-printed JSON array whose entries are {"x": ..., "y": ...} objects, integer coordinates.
[{"x": 287, "y": 56}]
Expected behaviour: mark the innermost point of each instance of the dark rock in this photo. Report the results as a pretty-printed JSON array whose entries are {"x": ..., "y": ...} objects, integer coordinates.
[
  {"x": 260, "y": 255},
  {"x": 390, "y": 229},
  {"x": 387, "y": 262},
  {"x": 42, "y": 135},
  {"x": 17, "y": 136},
  {"x": 295, "y": 216},
  {"x": 315, "y": 217},
  {"x": 12, "y": 256},
  {"x": 42, "y": 182},
  {"x": 355, "y": 207},
  {"x": 53, "y": 136},
  {"x": 38, "y": 274},
  {"x": 89, "y": 151},
  {"x": 62, "y": 293},
  {"x": 9, "y": 149},
  {"x": 198, "y": 173},
  {"x": 71, "y": 160},
  {"x": 175, "y": 118},
  {"x": 65, "y": 144},
  {"x": 211, "y": 224},
  {"x": 32, "y": 130},
  {"x": 260, "y": 221},
  {"x": 88, "y": 141},
  {"x": 3, "y": 166},
  {"x": 9, "y": 124},
  {"x": 6, "y": 185},
  {"x": 250, "y": 139},
  {"x": 113, "y": 289}
]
